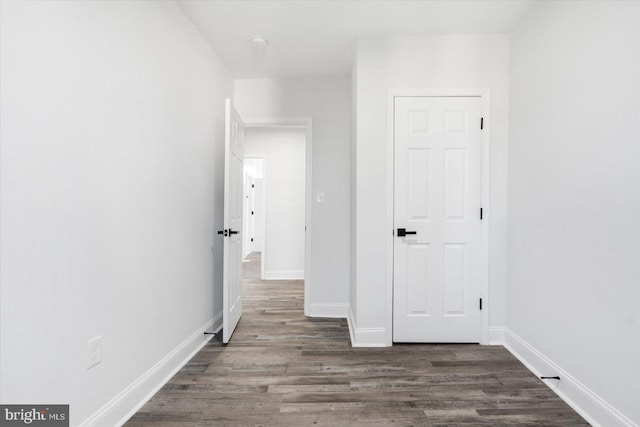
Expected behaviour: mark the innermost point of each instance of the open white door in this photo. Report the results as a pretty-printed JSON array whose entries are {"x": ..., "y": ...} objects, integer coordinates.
[{"x": 232, "y": 269}]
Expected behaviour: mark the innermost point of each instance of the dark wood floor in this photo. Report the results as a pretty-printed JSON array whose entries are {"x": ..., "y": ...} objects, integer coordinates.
[{"x": 281, "y": 368}]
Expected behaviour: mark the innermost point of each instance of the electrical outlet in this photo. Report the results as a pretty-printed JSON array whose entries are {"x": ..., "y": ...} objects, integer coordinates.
[{"x": 95, "y": 351}]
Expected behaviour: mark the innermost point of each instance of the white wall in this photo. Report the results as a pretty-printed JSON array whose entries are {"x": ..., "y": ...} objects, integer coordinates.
[
  {"x": 327, "y": 101},
  {"x": 258, "y": 217},
  {"x": 574, "y": 201},
  {"x": 283, "y": 154},
  {"x": 478, "y": 62},
  {"x": 111, "y": 192}
]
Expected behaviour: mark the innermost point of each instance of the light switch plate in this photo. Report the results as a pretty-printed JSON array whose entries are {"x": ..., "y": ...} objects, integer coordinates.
[{"x": 94, "y": 347}]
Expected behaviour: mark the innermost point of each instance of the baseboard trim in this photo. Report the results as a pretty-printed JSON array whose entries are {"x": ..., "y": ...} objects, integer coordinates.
[
  {"x": 496, "y": 335},
  {"x": 284, "y": 275},
  {"x": 365, "y": 337},
  {"x": 131, "y": 399},
  {"x": 335, "y": 310},
  {"x": 351, "y": 322},
  {"x": 583, "y": 400}
]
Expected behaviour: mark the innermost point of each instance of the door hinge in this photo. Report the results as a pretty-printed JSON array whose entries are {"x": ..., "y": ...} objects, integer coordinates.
[
  {"x": 251, "y": 212},
  {"x": 480, "y": 213},
  {"x": 253, "y": 186},
  {"x": 252, "y": 239},
  {"x": 480, "y": 303},
  {"x": 481, "y": 122}
]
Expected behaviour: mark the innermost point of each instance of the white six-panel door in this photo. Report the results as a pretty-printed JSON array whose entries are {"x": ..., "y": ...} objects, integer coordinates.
[
  {"x": 233, "y": 209},
  {"x": 437, "y": 195}
]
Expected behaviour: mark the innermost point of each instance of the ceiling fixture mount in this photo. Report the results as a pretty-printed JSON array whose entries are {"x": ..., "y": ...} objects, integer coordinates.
[{"x": 258, "y": 42}]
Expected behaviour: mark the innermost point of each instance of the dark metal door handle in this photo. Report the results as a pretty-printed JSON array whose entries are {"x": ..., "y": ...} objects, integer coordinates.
[
  {"x": 232, "y": 232},
  {"x": 403, "y": 232}
]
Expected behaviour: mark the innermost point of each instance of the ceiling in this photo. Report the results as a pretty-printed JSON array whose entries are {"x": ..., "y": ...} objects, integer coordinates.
[{"x": 318, "y": 37}]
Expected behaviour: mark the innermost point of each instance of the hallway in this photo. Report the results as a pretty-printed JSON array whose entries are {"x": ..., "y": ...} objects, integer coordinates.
[{"x": 281, "y": 368}]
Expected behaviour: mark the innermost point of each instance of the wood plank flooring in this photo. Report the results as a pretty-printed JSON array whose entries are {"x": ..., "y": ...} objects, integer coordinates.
[{"x": 284, "y": 369}]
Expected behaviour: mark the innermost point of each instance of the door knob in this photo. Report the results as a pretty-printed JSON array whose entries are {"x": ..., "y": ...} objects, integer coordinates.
[{"x": 403, "y": 232}]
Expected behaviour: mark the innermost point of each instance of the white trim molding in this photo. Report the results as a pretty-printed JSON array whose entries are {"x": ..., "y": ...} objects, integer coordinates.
[
  {"x": 330, "y": 310},
  {"x": 484, "y": 95},
  {"x": 365, "y": 337},
  {"x": 496, "y": 335},
  {"x": 132, "y": 398},
  {"x": 584, "y": 401}
]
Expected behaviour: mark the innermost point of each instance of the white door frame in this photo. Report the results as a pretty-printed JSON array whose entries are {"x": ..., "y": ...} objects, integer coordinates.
[
  {"x": 483, "y": 94},
  {"x": 306, "y": 123}
]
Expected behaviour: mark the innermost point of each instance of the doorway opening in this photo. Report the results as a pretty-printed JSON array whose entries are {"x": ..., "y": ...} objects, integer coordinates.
[
  {"x": 276, "y": 199},
  {"x": 253, "y": 207}
]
